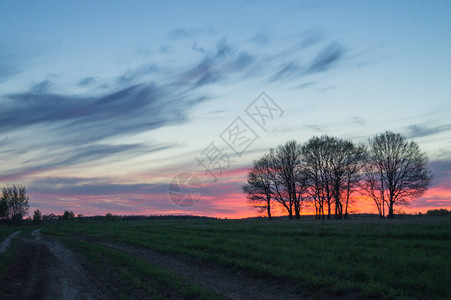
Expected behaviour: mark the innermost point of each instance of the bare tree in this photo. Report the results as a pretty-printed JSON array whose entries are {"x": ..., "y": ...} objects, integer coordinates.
[
  {"x": 318, "y": 154},
  {"x": 258, "y": 186},
  {"x": 354, "y": 172},
  {"x": 396, "y": 171},
  {"x": 374, "y": 187},
  {"x": 345, "y": 165},
  {"x": 289, "y": 179},
  {"x": 278, "y": 177},
  {"x": 15, "y": 198},
  {"x": 333, "y": 166}
]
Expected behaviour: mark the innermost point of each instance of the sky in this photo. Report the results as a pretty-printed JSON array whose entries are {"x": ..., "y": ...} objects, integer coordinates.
[{"x": 107, "y": 106}]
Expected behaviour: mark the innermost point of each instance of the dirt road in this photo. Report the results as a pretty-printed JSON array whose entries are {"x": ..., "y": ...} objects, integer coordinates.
[
  {"x": 44, "y": 269},
  {"x": 231, "y": 284}
]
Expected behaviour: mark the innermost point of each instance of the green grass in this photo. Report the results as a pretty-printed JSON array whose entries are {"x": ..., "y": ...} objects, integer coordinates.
[
  {"x": 363, "y": 258},
  {"x": 6, "y": 231},
  {"x": 133, "y": 273},
  {"x": 6, "y": 256}
]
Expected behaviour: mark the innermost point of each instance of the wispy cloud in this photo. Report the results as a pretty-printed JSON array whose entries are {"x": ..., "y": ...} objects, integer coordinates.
[
  {"x": 132, "y": 75},
  {"x": 72, "y": 156},
  {"x": 327, "y": 58},
  {"x": 190, "y": 33},
  {"x": 87, "y": 81},
  {"x": 421, "y": 130},
  {"x": 41, "y": 87},
  {"x": 132, "y": 109}
]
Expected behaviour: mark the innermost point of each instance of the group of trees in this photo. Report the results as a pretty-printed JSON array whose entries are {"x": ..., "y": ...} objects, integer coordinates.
[
  {"x": 327, "y": 171},
  {"x": 14, "y": 206},
  {"x": 438, "y": 212},
  {"x": 14, "y": 203}
]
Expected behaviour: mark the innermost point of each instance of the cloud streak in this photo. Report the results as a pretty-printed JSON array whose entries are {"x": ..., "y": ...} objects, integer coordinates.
[{"x": 420, "y": 130}]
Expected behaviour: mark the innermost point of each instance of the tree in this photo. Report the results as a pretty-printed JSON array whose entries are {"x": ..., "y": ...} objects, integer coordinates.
[
  {"x": 68, "y": 215},
  {"x": 318, "y": 153},
  {"x": 289, "y": 177},
  {"x": 355, "y": 163},
  {"x": 278, "y": 177},
  {"x": 438, "y": 212},
  {"x": 15, "y": 199},
  {"x": 111, "y": 217},
  {"x": 396, "y": 171},
  {"x": 37, "y": 217},
  {"x": 345, "y": 165},
  {"x": 3, "y": 208},
  {"x": 333, "y": 168},
  {"x": 258, "y": 185}
]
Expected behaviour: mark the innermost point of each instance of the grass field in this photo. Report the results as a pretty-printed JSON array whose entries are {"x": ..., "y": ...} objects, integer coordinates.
[{"x": 406, "y": 258}]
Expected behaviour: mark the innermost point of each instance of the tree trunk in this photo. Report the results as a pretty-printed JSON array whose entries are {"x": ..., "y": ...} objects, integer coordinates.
[
  {"x": 390, "y": 210},
  {"x": 328, "y": 210},
  {"x": 268, "y": 209}
]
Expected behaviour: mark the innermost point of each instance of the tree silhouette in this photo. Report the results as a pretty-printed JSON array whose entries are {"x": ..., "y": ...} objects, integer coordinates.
[
  {"x": 278, "y": 177},
  {"x": 37, "y": 217},
  {"x": 396, "y": 171},
  {"x": 289, "y": 178},
  {"x": 345, "y": 164},
  {"x": 318, "y": 153},
  {"x": 15, "y": 200},
  {"x": 328, "y": 170},
  {"x": 258, "y": 185}
]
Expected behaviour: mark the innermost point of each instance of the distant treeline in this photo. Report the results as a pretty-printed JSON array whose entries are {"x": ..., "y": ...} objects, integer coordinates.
[
  {"x": 327, "y": 172},
  {"x": 438, "y": 212}
]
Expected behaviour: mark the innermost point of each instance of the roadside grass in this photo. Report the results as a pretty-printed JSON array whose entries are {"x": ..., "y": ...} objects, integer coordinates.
[
  {"x": 6, "y": 257},
  {"x": 6, "y": 231},
  {"x": 363, "y": 258},
  {"x": 132, "y": 276}
]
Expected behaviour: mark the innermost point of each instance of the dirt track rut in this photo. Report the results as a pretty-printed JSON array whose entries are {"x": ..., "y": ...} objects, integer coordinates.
[
  {"x": 44, "y": 269},
  {"x": 229, "y": 283}
]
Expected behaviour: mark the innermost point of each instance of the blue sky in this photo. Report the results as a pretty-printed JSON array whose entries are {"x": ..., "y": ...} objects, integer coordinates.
[{"x": 103, "y": 103}]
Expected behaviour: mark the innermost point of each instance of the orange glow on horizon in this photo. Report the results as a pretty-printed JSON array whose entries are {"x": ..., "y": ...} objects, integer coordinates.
[{"x": 221, "y": 199}]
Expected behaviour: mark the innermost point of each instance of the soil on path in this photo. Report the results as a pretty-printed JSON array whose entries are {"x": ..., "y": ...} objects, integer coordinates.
[
  {"x": 231, "y": 284},
  {"x": 44, "y": 269}
]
